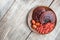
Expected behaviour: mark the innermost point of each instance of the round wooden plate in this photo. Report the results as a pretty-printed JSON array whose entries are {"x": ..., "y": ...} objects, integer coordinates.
[{"x": 30, "y": 18}]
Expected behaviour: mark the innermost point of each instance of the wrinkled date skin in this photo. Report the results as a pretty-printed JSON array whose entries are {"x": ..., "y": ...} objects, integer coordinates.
[{"x": 45, "y": 18}]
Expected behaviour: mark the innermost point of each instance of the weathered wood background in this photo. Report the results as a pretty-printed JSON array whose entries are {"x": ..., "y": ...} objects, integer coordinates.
[{"x": 13, "y": 16}]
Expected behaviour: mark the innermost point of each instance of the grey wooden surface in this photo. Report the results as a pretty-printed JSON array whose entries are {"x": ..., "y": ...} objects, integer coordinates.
[{"x": 13, "y": 16}]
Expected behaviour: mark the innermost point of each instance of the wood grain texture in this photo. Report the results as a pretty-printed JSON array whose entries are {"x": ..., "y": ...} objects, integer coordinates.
[
  {"x": 56, "y": 7},
  {"x": 13, "y": 26},
  {"x": 4, "y": 6}
]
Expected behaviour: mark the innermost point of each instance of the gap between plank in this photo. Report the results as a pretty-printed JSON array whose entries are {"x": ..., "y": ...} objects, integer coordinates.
[
  {"x": 7, "y": 10},
  {"x": 28, "y": 35},
  {"x": 51, "y": 3},
  {"x": 31, "y": 31}
]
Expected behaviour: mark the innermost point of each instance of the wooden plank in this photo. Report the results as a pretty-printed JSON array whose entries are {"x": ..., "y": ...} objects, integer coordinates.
[
  {"x": 51, "y": 36},
  {"x": 35, "y": 36},
  {"x": 56, "y": 7},
  {"x": 13, "y": 26},
  {"x": 4, "y": 6},
  {"x": 58, "y": 36}
]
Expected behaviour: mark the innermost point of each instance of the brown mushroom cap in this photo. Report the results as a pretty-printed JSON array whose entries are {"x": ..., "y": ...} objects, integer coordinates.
[{"x": 47, "y": 16}]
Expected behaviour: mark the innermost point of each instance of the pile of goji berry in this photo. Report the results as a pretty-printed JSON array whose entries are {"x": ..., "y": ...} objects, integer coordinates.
[{"x": 43, "y": 29}]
